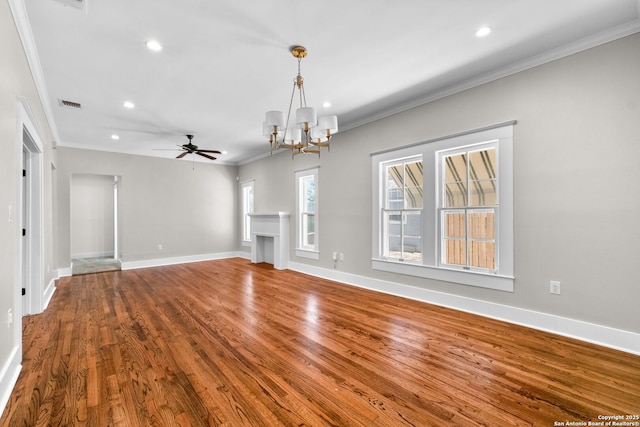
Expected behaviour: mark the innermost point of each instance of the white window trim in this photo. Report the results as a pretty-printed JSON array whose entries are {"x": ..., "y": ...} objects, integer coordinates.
[
  {"x": 243, "y": 185},
  {"x": 441, "y": 204},
  {"x": 384, "y": 201},
  {"x": 430, "y": 267},
  {"x": 301, "y": 251}
]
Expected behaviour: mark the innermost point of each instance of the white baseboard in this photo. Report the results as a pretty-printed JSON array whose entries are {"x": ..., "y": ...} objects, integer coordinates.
[
  {"x": 131, "y": 265},
  {"x": 9, "y": 376},
  {"x": 159, "y": 262},
  {"x": 65, "y": 271},
  {"x": 602, "y": 335},
  {"x": 48, "y": 294},
  {"x": 597, "y": 334},
  {"x": 92, "y": 255}
]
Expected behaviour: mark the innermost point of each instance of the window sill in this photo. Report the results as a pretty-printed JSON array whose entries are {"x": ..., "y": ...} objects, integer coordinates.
[
  {"x": 481, "y": 280},
  {"x": 306, "y": 253}
]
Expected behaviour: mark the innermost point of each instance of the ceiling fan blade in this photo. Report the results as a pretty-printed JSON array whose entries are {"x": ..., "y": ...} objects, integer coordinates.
[
  {"x": 205, "y": 155},
  {"x": 178, "y": 147},
  {"x": 210, "y": 151},
  {"x": 182, "y": 155}
]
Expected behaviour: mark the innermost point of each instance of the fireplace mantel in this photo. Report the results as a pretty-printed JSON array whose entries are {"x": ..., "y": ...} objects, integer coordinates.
[{"x": 270, "y": 238}]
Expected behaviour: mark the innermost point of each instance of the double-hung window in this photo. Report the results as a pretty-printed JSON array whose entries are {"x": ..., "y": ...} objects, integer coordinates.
[
  {"x": 468, "y": 208},
  {"x": 246, "y": 207},
  {"x": 443, "y": 209},
  {"x": 402, "y": 209},
  {"x": 307, "y": 213}
]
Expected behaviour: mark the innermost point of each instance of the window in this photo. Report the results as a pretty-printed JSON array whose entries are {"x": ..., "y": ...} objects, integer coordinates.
[
  {"x": 443, "y": 209},
  {"x": 402, "y": 210},
  {"x": 307, "y": 213},
  {"x": 246, "y": 200},
  {"x": 468, "y": 207}
]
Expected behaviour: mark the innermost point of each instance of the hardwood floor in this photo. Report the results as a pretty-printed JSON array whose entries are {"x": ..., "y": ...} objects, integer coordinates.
[{"x": 231, "y": 343}]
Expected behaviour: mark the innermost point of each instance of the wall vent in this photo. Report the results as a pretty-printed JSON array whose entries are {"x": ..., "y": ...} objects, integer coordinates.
[
  {"x": 77, "y": 4},
  {"x": 70, "y": 104}
]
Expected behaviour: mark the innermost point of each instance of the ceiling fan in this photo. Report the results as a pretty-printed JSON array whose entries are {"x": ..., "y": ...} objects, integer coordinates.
[{"x": 190, "y": 148}]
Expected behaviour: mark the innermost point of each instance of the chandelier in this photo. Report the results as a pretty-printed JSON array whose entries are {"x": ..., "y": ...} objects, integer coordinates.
[{"x": 309, "y": 133}]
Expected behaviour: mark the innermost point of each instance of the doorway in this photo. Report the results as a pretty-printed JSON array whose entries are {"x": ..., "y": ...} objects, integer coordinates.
[
  {"x": 94, "y": 223},
  {"x": 31, "y": 223}
]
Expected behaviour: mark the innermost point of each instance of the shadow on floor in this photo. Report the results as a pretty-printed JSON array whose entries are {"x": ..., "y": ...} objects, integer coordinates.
[{"x": 93, "y": 265}]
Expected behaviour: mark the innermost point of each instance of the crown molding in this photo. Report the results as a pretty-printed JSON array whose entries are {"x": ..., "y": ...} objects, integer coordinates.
[
  {"x": 134, "y": 152},
  {"x": 21, "y": 19},
  {"x": 586, "y": 43}
]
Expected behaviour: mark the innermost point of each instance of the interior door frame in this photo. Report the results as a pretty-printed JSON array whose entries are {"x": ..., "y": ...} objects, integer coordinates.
[
  {"x": 30, "y": 268},
  {"x": 115, "y": 185}
]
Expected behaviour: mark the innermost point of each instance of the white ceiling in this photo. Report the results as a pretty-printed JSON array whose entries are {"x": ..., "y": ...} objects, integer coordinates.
[{"x": 224, "y": 63}]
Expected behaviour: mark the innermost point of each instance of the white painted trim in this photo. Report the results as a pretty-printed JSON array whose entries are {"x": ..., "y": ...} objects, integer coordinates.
[
  {"x": 578, "y": 46},
  {"x": 618, "y": 339},
  {"x": 65, "y": 271},
  {"x": 33, "y": 199},
  {"x": 431, "y": 266},
  {"x": 597, "y": 334},
  {"x": 131, "y": 265},
  {"x": 306, "y": 253},
  {"x": 20, "y": 17},
  {"x": 301, "y": 251},
  {"x": 93, "y": 255},
  {"x": 48, "y": 294},
  {"x": 469, "y": 278},
  {"x": 9, "y": 376}
]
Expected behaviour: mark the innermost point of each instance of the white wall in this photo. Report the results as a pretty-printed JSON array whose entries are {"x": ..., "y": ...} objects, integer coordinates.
[
  {"x": 17, "y": 83},
  {"x": 577, "y": 144},
  {"x": 92, "y": 216},
  {"x": 188, "y": 210}
]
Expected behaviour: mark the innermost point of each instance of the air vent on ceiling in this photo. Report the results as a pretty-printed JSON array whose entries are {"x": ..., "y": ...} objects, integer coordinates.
[
  {"x": 70, "y": 104},
  {"x": 77, "y": 4}
]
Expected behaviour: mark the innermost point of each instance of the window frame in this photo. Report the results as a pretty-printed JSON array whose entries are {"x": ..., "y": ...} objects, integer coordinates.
[
  {"x": 442, "y": 208},
  {"x": 431, "y": 267},
  {"x": 403, "y": 212},
  {"x": 246, "y": 208},
  {"x": 303, "y": 250}
]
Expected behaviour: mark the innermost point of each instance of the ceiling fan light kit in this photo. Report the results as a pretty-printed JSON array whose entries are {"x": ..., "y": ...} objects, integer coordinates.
[{"x": 310, "y": 132}]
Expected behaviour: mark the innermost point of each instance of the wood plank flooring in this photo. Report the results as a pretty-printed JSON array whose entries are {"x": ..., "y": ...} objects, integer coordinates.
[{"x": 230, "y": 343}]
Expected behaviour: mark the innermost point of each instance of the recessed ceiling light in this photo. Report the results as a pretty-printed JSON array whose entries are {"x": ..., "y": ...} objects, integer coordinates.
[
  {"x": 224, "y": 152},
  {"x": 483, "y": 31},
  {"x": 326, "y": 104},
  {"x": 115, "y": 137},
  {"x": 154, "y": 45},
  {"x": 128, "y": 104}
]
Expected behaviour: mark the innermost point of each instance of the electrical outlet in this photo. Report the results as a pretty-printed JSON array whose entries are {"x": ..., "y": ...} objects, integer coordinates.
[
  {"x": 554, "y": 287},
  {"x": 341, "y": 257},
  {"x": 159, "y": 246},
  {"x": 334, "y": 256},
  {"x": 9, "y": 318}
]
